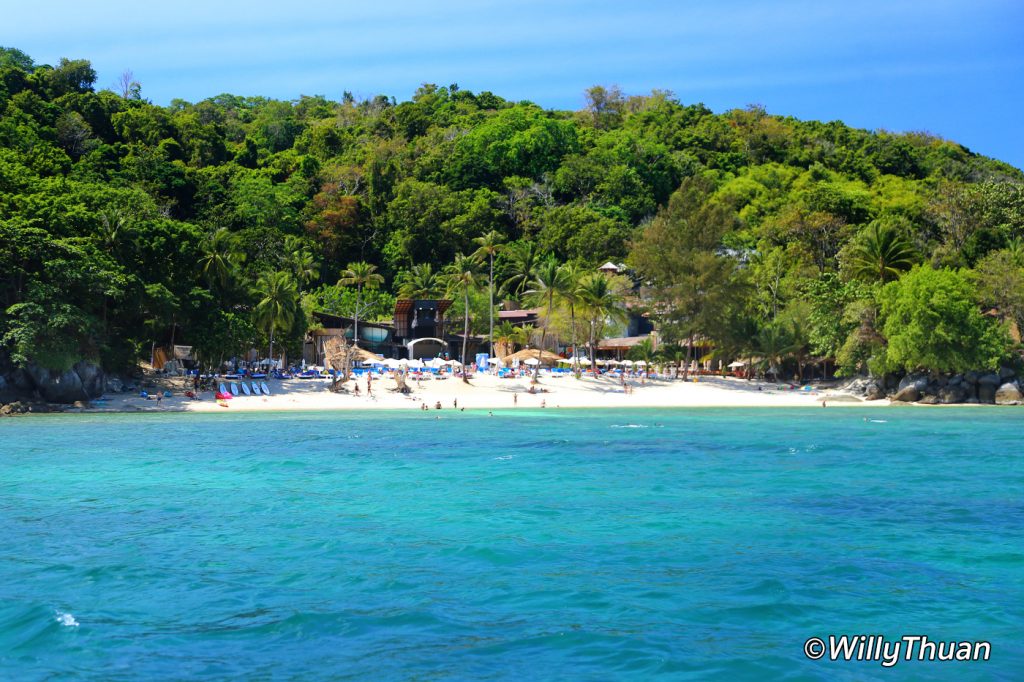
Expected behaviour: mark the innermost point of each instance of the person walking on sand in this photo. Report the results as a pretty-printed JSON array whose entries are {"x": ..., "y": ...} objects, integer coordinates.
[
  {"x": 369, "y": 385},
  {"x": 515, "y": 399}
]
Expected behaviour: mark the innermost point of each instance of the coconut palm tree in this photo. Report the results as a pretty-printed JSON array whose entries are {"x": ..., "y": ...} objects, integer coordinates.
[
  {"x": 360, "y": 275},
  {"x": 491, "y": 244},
  {"x": 547, "y": 284},
  {"x": 672, "y": 354},
  {"x": 643, "y": 351},
  {"x": 422, "y": 282},
  {"x": 510, "y": 335},
  {"x": 569, "y": 294},
  {"x": 219, "y": 257},
  {"x": 882, "y": 255},
  {"x": 603, "y": 304},
  {"x": 278, "y": 303},
  {"x": 524, "y": 258},
  {"x": 774, "y": 344},
  {"x": 461, "y": 277},
  {"x": 304, "y": 266}
]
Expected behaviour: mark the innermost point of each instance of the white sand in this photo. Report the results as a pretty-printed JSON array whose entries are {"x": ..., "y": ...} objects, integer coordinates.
[{"x": 485, "y": 392}]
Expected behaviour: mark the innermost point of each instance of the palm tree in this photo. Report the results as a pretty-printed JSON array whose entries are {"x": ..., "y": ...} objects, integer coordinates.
[
  {"x": 548, "y": 283},
  {"x": 461, "y": 277},
  {"x": 602, "y": 304},
  {"x": 673, "y": 354},
  {"x": 570, "y": 295},
  {"x": 278, "y": 302},
  {"x": 509, "y": 335},
  {"x": 220, "y": 257},
  {"x": 421, "y": 282},
  {"x": 490, "y": 246},
  {"x": 643, "y": 351},
  {"x": 882, "y": 255},
  {"x": 774, "y": 344},
  {"x": 360, "y": 275},
  {"x": 304, "y": 266},
  {"x": 524, "y": 256}
]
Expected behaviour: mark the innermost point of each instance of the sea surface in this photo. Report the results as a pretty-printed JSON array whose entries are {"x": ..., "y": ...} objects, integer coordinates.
[{"x": 547, "y": 544}]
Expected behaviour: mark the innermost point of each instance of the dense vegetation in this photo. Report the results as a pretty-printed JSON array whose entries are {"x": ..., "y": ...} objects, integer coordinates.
[{"x": 222, "y": 223}]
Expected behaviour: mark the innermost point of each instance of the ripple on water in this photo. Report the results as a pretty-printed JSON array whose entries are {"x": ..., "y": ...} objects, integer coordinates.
[{"x": 576, "y": 546}]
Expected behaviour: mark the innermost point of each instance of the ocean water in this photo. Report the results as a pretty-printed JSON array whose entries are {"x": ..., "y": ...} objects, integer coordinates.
[{"x": 558, "y": 544}]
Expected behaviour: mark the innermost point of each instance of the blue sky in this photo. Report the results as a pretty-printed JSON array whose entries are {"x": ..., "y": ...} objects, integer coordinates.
[{"x": 950, "y": 67}]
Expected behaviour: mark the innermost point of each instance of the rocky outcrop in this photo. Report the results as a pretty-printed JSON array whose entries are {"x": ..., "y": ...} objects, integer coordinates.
[
  {"x": 84, "y": 381},
  {"x": 873, "y": 392},
  {"x": 20, "y": 407},
  {"x": 908, "y": 394},
  {"x": 987, "y": 385},
  {"x": 952, "y": 394},
  {"x": 1008, "y": 394}
]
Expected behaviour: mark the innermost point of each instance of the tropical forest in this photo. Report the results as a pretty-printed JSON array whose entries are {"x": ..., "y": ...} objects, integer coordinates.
[{"x": 225, "y": 223}]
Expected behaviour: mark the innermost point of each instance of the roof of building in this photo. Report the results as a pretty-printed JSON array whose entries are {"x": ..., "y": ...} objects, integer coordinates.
[
  {"x": 521, "y": 314},
  {"x": 622, "y": 342}
]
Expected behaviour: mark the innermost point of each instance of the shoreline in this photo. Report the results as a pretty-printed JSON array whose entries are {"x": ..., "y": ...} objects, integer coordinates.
[{"x": 488, "y": 393}]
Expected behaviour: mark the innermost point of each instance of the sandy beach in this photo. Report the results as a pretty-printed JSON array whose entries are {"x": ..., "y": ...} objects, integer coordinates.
[{"x": 486, "y": 392}]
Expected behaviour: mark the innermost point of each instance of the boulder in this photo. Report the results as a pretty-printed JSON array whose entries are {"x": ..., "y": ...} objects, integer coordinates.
[
  {"x": 971, "y": 377},
  {"x": 908, "y": 394},
  {"x": 81, "y": 382},
  {"x": 1008, "y": 394},
  {"x": 955, "y": 380},
  {"x": 929, "y": 400},
  {"x": 1006, "y": 373},
  {"x": 873, "y": 392},
  {"x": 920, "y": 381},
  {"x": 987, "y": 385},
  {"x": 952, "y": 394},
  {"x": 115, "y": 385}
]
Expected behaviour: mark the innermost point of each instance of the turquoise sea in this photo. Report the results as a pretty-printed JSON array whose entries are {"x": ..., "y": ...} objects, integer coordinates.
[{"x": 557, "y": 544}]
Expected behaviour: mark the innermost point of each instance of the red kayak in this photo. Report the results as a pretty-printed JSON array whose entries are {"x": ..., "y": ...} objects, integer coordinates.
[{"x": 223, "y": 396}]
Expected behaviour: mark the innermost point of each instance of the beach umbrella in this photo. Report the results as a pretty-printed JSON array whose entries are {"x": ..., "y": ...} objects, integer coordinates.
[
  {"x": 601, "y": 361},
  {"x": 583, "y": 361},
  {"x": 435, "y": 362},
  {"x": 627, "y": 363},
  {"x": 640, "y": 363},
  {"x": 532, "y": 362},
  {"x": 416, "y": 364},
  {"x": 453, "y": 363},
  {"x": 737, "y": 363},
  {"x": 391, "y": 363},
  {"x": 614, "y": 362},
  {"x": 493, "y": 361}
]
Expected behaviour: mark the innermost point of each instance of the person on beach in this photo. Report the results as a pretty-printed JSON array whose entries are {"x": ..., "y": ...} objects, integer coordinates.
[
  {"x": 455, "y": 404},
  {"x": 515, "y": 399},
  {"x": 369, "y": 385}
]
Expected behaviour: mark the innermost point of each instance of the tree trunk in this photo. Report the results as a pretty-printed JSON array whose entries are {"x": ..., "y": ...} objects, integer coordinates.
[
  {"x": 543, "y": 337},
  {"x": 593, "y": 359},
  {"x": 689, "y": 357},
  {"x": 490, "y": 311},
  {"x": 355, "y": 329},
  {"x": 465, "y": 335},
  {"x": 271, "y": 350},
  {"x": 575, "y": 351}
]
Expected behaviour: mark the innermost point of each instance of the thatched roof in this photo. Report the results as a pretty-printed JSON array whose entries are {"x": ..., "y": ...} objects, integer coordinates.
[
  {"x": 547, "y": 358},
  {"x": 362, "y": 355}
]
